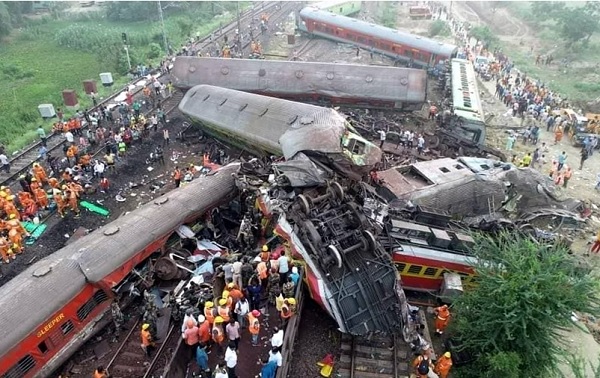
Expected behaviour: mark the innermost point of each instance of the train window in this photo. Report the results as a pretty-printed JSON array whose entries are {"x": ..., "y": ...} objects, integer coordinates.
[
  {"x": 67, "y": 327},
  {"x": 361, "y": 40},
  {"x": 43, "y": 347},
  {"x": 400, "y": 266},
  {"x": 21, "y": 368},
  {"x": 99, "y": 297},
  {"x": 356, "y": 147},
  {"x": 329, "y": 30},
  {"x": 341, "y": 10},
  {"x": 415, "y": 269},
  {"x": 430, "y": 272}
]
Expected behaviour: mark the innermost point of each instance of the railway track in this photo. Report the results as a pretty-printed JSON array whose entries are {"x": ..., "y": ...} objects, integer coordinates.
[
  {"x": 374, "y": 357},
  {"x": 24, "y": 159},
  {"x": 130, "y": 361}
]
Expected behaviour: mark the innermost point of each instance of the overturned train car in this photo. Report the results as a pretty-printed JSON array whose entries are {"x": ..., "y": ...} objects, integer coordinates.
[
  {"x": 51, "y": 309},
  {"x": 312, "y": 82},
  {"x": 270, "y": 125}
]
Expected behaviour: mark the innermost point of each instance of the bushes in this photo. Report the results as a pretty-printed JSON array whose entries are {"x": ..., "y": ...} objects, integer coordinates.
[
  {"x": 154, "y": 51},
  {"x": 439, "y": 27}
]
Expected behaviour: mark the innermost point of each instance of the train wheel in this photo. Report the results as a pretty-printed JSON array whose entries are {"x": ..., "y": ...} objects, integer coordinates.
[
  {"x": 360, "y": 220},
  {"x": 433, "y": 141},
  {"x": 312, "y": 233},
  {"x": 443, "y": 149},
  {"x": 166, "y": 269},
  {"x": 335, "y": 253},
  {"x": 337, "y": 190},
  {"x": 304, "y": 204},
  {"x": 371, "y": 243}
]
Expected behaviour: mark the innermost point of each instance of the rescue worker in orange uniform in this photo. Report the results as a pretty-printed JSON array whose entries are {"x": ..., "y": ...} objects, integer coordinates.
[
  {"x": 204, "y": 330},
  {"x": 75, "y": 187},
  {"x": 265, "y": 255},
  {"x": 147, "y": 343},
  {"x": 72, "y": 198},
  {"x": 218, "y": 334},
  {"x": 209, "y": 312},
  {"x": 443, "y": 365},
  {"x": 53, "y": 182},
  {"x": 100, "y": 372},
  {"x": 442, "y": 318},
  {"x": 223, "y": 310},
  {"x": 30, "y": 208},
  {"x": 5, "y": 250},
  {"x": 16, "y": 241},
  {"x": 39, "y": 173},
  {"x": 227, "y": 296},
  {"x": 34, "y": 184},
  {"x": 23, "y": 196},
  {"x": 254, "y": 326},
  {"x": 13, "y": 223},
  {"x": 10, "y": 208},
  {"x": 41, "y": 198},
  {"x": 285, "y": 313},
  {"x": 60, "y": 202}
]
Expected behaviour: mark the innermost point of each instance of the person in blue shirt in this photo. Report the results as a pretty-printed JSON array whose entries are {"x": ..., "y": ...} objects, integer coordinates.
[
  {"x": 295, "y": 276},
  {"x": 202, "y": 358},
  {"x": 268, "y": 368}
]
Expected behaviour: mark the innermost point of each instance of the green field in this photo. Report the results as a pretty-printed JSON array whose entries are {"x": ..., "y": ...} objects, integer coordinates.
[{"x": 34, "y": 69}]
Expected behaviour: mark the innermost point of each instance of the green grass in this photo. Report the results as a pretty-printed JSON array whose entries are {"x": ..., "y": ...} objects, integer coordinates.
[
  {"x": 579, "y": 82},
  {"x": 35, "y": 70}
]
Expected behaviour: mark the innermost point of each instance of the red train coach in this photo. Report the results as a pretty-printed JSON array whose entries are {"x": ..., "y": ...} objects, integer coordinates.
[
  {"x": 312, "y": 82},
  {"x": 412, "y": 49},
  {"x": 48, "y": 311}
]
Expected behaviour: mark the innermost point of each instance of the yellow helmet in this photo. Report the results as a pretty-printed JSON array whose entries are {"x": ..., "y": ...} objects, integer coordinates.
[
  {"x": 265, "y": 248},
  {"x": 209, "y": 304},
  {"x": 2, "y": 187},
  {"x": 2, "y": 193},
  {"x": 447, "y": 354},
  {"x": 33, "y": 179},
  {"x": 230, "y": 285},
  {"x": 218, "y": 319},
  {"x": 12, "y": 216},
  {"x": 64, "y": 187},
  {"x": 222, "y": 302},
  {"x": 291, "y": 301},
  {"x": 145, "y": 326},
  {"x": 10, "y": 198},
  {"x": 225, "y": 294}
]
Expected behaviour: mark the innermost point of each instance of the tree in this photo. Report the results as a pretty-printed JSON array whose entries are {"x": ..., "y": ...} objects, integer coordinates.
[
  {"x": 547, "y": 10},
  {"x": 578, "y": 24},
  {"x": 5, "y": 21},
  {"x": 438, "y": 27},
  {"x": 525, "y": 293},
  {"x": 485, "y": 35}
]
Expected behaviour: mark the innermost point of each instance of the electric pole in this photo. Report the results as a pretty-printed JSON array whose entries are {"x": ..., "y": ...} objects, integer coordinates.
[
  {"x": 239, "y": 27},
  {"x": 162, "y": 23}
]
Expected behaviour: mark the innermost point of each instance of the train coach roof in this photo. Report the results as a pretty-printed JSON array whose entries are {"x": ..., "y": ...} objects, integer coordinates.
[
  {"x": 102, "y": 254},
  {"x": 32, "y": 297},
  {"x": 292, "y": 126},
  {"x": 393, "y": 35},
  {"x": 275, "y": 77}
]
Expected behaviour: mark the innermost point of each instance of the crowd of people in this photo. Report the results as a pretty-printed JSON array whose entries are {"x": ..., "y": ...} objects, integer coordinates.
[{"x": 244, "y": 290}]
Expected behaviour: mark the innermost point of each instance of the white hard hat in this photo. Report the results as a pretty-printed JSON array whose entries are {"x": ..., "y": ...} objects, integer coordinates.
[{"x": 201, "y": 318}]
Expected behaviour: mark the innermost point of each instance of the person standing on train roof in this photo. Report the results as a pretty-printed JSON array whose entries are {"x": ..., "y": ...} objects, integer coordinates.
[{"x": 442, "y": 318}]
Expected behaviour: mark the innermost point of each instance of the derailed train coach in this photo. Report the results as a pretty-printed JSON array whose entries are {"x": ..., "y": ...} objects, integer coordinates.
[
  {"x": 51, "y": 309},
  {"x": 284, "y": 128},
  {"x": 319, "y": 83}
]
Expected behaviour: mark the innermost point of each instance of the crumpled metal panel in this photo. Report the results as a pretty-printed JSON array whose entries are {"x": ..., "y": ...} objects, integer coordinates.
[
  {"x": 273, "y": 77},
  {"x": 102, "y": 255},
  {"x": 271, "y": 124}
]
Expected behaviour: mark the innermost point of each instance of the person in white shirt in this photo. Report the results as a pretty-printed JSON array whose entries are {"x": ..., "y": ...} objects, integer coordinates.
[
  {"x": 284, "y": 267},
  {"x": 69, "y": 137},
  {"x": 5, "y": 163},
  {"x": 231, "y": 360},
  {"x": 381, "y": 137},
  {"x": 220, "y": 372},
  {"x": 277, "y": 339},
  {"x": 99, "y": 171},
  {"x": 274, "y": 355},
  {"x": 242, "y": 308}
]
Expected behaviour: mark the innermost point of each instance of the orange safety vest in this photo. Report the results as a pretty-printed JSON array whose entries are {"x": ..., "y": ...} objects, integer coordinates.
[
  {"x": 177, "y": 175},
  {"x": 209, "y": 314},
  {"x": 99, "y": 375},
  {"x": 254, "y": 327},
  {"x": 146, "y": 338},
  {"x": 224, "y": 313},
  {"x": 204, "y": 332}
]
